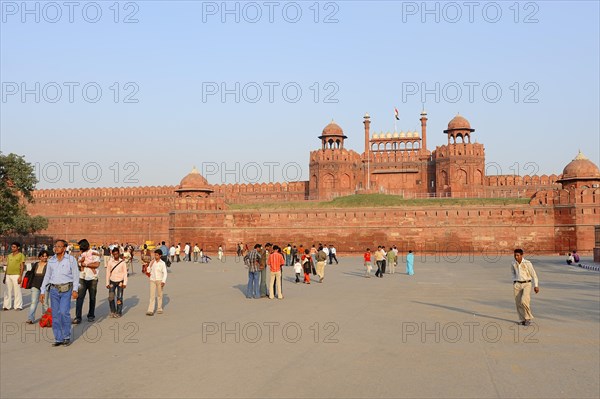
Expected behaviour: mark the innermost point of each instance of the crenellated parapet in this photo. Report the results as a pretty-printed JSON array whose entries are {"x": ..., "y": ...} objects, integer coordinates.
[
  {"x": 261, "y": 192},
  {"x": 538, "y": 181},
  {"x": 337, "y": 155},
  {"x": 460, "y": 150},
  {"x": 101, "y": 192},
  {"x": 579, "y": 196}
]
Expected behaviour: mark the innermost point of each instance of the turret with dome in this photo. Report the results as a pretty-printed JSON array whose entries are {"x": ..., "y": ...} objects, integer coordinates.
[
  {"x": 194, "y": 184},
  {"x": 333, "y": 136},
  {"x": 580, "y": 173}
]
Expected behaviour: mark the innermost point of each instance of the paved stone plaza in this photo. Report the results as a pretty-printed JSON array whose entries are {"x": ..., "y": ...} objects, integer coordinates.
[{"x": 448, "y": 331}]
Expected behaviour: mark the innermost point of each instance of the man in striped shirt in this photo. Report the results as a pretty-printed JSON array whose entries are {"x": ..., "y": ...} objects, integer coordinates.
[{"x": 252, "y": 260}]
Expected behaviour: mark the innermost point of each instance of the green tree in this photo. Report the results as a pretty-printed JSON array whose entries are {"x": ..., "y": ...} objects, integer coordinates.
[{"x": 17, "y": 182}]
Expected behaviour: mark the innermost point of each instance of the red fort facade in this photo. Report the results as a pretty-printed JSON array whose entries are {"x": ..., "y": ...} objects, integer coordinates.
[{"x": 560, "y": 216}]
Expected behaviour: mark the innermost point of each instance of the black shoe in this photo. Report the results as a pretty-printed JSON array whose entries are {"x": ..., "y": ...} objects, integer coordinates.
[
  {"x": 54, "y": 345},
  {"x": 66, "y": 342},
  {"x": 76, "y": 320},
  {"x": 91, "y": 319},
  {"x": 527, "y": 323}
]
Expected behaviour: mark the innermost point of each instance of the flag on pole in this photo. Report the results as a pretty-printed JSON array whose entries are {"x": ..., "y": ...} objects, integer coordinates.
[{"x": 396, "y": 114}]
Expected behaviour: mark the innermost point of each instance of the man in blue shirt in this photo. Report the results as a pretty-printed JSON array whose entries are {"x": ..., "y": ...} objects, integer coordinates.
[
  {"x": 165, "y": 254},
  {"x": 62, "y": 282}
]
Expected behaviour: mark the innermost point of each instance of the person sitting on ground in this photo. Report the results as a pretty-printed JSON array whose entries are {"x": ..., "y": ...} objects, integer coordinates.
[
  {"x": 576, "y": 257},
  {"x": 570, "y": 259}
]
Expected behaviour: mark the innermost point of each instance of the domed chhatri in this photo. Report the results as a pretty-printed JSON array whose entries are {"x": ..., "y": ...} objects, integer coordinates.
[
  {"x": 459, "y": 123},
  {"x": 459, "y": 130},
  {"x": 332, "y": 136},
  {"x": 194, "y": 182},
  {"x": 333, "y": 129},
  {"x": 581, "y": 168}
]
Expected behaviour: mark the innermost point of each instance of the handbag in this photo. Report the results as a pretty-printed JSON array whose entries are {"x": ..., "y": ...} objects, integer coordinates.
[
  {"x": 46, "y": 320},
  {"x": 27, "y": 281}
]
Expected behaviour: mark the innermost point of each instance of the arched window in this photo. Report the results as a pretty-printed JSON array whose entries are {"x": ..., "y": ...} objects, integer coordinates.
[
  {"x": 328, "y": 181},
  {"x": 461, "y": 176}
]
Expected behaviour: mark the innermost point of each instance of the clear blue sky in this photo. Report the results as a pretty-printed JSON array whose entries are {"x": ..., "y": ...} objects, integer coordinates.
[{"x": 177, "y": 51}]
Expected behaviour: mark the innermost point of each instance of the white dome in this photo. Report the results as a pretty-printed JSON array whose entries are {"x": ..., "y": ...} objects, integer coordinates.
[
  {"x": 402, "y": 134},
  {"x": 375, "y": 136},
  {"x": 389, "y": 135}
]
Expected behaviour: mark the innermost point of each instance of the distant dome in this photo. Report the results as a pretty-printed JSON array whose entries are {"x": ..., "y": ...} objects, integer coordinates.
[
  {"x": 375, "y": 136},
  {"x": 402, "y": 134},
  {"x": 581, "y": 168},
  {"x": 389, "y": 135},
  {"x": 194, "y": 181},
  {"x": 415, "y": 134},
  {"x": 395, "y": 135},
  {"x": 459, "y": 123},
  {"x": 333, "y": 129}
]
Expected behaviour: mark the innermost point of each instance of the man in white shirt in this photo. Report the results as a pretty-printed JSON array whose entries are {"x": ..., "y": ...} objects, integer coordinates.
[
  {"x": 186, "y": 251},
  {"x": 523, "y": 274},
  {"x": 196, "y": 253},
  {"x": 332, "y": 256},
  {"x": 158, "y": 278},
  {"x": 172, "y": 252}
]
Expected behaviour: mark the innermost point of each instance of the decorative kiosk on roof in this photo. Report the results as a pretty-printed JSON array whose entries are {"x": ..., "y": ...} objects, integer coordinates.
[
  {"x": 333, "y": 136},
  {"x": 194, "y": 185},
  {"x": 580, "y": 173}
]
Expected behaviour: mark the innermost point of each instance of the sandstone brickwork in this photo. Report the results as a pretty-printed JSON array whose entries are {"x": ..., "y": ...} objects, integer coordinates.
[{"x": 562, "y": 213}]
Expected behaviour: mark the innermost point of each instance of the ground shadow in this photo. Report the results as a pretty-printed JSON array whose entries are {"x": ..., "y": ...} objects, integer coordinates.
[
  {"x": 469, "y": 312},
  {"x": 241, "y": 287},
  {"x": 356, "y": 274},
  {"x": 130, "y": 303}
]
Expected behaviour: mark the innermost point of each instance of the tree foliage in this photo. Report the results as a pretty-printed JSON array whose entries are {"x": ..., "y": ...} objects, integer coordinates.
[{"x": 17, "y": 182}]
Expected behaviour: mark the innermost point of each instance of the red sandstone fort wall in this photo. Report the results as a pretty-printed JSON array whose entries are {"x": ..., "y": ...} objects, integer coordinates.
[
  {"x": 261, "y": 192},
  {"x": 441, "y": 229},
  {"x": 554, "y": 221},
  {"x": 106, "y": 214}
]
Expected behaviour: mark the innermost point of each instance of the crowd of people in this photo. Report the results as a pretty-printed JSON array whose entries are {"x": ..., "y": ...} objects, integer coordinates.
[
  {"x": 60, "y": 278},
  {"x": 306, "y": 261},
  {"x": 55, "y": 280},
  {"x": 386, "y": 260},
  {"x": 273, "y": 258}
]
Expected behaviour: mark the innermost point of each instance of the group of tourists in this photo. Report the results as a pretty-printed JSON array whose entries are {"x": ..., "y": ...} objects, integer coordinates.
[
  {"x": 62, "y": 277},
  {"x": 188, "y": 251},
  {"x": 273, "y": 257},
  {"x": 386, "y": 260}
]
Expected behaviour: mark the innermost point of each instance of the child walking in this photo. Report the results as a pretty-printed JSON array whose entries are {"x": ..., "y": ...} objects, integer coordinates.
[{"x": 298, "y": 270}]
